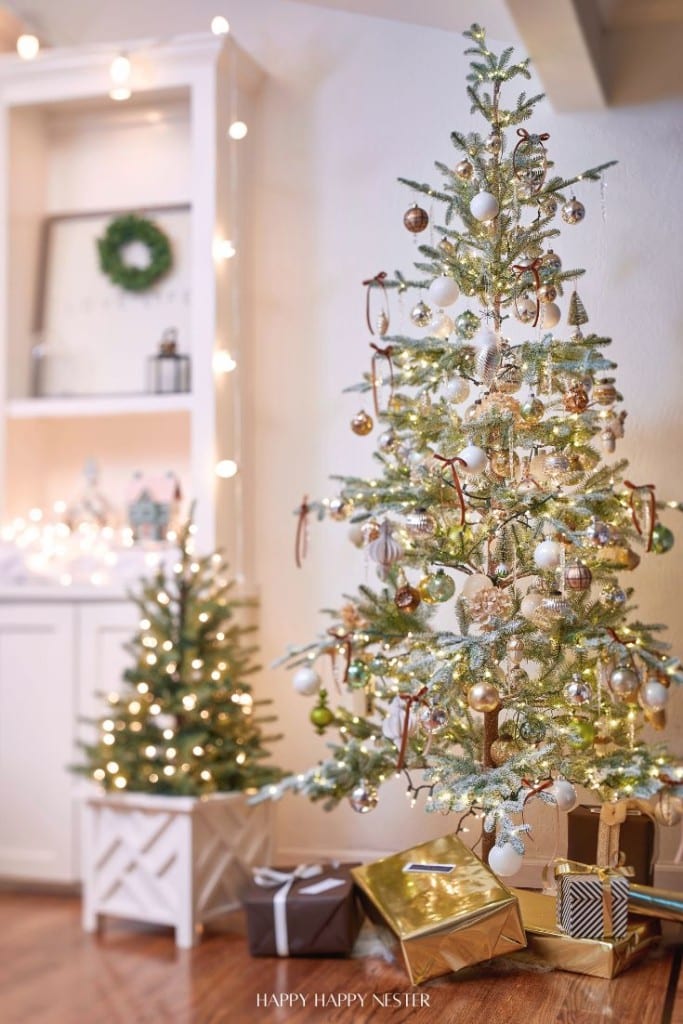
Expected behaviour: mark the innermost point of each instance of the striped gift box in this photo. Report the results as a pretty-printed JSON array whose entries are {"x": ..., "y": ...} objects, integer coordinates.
[{"x": 592, "y": 907}]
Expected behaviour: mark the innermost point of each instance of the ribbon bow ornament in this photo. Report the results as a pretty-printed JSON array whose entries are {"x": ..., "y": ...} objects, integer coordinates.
[{"x": 268, "y": 878}]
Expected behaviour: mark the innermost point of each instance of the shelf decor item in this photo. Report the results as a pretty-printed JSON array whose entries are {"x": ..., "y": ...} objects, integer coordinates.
[
  {"x": 153, "y": 505},
  {"x": 121, "y": 232},
  {"x": 311, "y": 910},
  {"x": 184, "y": 739},
  {"x": 443, "y": 906},
  {"x": 169, "y": 370}
]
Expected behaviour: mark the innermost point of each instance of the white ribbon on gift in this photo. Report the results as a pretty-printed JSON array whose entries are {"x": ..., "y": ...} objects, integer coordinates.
[{"x": 268, "y": 878}]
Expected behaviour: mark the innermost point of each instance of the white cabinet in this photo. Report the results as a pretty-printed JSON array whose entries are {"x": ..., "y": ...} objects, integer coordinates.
[{"x": 55, "y": 656}]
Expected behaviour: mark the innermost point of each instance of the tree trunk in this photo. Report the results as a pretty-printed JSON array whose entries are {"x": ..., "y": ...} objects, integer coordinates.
[{"x": 488, "y": 839}]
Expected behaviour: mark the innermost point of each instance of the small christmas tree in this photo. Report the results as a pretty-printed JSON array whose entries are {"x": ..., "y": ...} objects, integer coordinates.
[
  {"x": 186, "y": 725},
  {"x": 491, "y": 497}
]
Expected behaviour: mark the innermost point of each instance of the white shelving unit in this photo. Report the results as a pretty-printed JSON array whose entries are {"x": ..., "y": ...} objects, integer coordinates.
[{"x": 69, "y": 151}]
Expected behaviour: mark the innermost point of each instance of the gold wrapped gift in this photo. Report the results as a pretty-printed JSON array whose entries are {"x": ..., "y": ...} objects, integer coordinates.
[
  {"x": 603, "y": 958},
  {"x": 443, "y": 906}
]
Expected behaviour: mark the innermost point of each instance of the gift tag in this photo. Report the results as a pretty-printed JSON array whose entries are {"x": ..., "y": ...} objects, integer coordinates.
[
  {"x": 318, "y": 887},
  {"x": 414, "y": 868}
]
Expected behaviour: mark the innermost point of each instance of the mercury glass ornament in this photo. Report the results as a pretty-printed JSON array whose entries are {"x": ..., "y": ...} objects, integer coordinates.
[
  {"x": 464, "y": 170},
  {"x": 467, "y": 324},
  {"x": 364, "y": 797},
  {"x": 556, "y": 465},
  {"x": 370, "y": 530},
  {"x": 662, "y": 539},
  {"x": 440, "y": 326},
  {"x": 667, "y": 808},
  {"x": 356, "y": 535},
  {"x": 361, "y": 423},
  {"x": 415, "y": 219},
  {"x": 608, "y": 440},
  {"x": 516, "y": 679},
  {"x": 420, "y": 523},
  {"x": 386, "y": 441},
  {"x": 509, "y": 379},
  {"x": 612, "y": 596},
  {"x": 434, "y": 719},
  {"x": 605, "y": 392},
  {"x": 553, "y": 610},
  {"x": 421, "y": 314},
  {"x": 598, "y": 534},
  {"x": 357, "y": 675},
  {"x": 502, "y": 750},
  {"x": 532, "y": 729},
  {"x": 532, "y": 410},
  {"x": 578, "y": 576},
  {"x": 573, "y": 211},
  {"x": 456, "y": 390},
  {"x": 551, "y": 315},
  {"x": 407, "y": 598},
  {"x": 494, "y": 143},
  {"x": 654, "y": 695},
  {"x": 551, "y": 262},
  {"x": 514, "y": 650},
  {"x": 548, "y": 205},
  {"x": 530, "y": 604},
  {"x": 525, "y": 309},
  {"x": 577, "y": 692},
  {"x": 435, "y": 588},
  {"x": 624, "y": 684},
  {"x": 483, "y": 697},
  {"x": 576, "y": 399},
  {"x": 474, "y": 585}
]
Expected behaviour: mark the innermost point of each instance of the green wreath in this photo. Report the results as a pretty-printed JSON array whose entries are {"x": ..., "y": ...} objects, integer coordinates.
[{"x": 131, "y": 228}]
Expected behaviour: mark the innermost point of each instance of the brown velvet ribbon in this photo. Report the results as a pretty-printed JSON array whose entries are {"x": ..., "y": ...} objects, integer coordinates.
[
  {"x": 301, "y": 539},
  {"x": 410, "y": 699},
  {"x": 643, "y": 492},
  {"x": 535, "y": 790},
  {"x": 345, "y": 641},
  {"x": 533, "y": 268},
  {"x": 380, "y": 353},
  {"x": 612, "y": 817},
  {"x": 378, "y": 279},
  {"x": 456, "y": 480}
]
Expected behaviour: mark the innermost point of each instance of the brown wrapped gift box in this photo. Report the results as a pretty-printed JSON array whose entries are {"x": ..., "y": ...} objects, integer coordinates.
[
  {"x": 444, "y": 907},
  {"x": 602, "y": 958},
  {"x": 636, "y": 840},
  {"x": 318, "y": 924}
]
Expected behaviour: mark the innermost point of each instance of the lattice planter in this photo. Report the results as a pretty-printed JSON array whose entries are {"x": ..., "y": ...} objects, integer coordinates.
[{"x": 170, "y": 859}]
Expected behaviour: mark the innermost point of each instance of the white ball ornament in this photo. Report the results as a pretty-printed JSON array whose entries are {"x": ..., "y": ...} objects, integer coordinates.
[
  {"x": 547, "y": 554},
  {"x": 530, "y": 603},
  {"x": 565, "y": 795},
  {"x": 475, "y": 459},
  {"x": 484, "y": 206},
  {"x": 505, "y": 861},
  {"x": 306, "y": 681},
  {"x": 440, "y": 326},
  {"x": 654, "y": 695},
  {"x": 443, "y": 291},
  {"x": 550, "y": 315},
  {"x": 457, "y": 390},
  {"x": 356, "y": 535}
]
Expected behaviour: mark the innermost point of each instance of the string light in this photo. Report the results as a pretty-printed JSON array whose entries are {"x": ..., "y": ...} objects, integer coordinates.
[
  {"x": 238, "y": 130},
  {"x": 226, "y": 469},
  {"x": 224, "y": 249},
  {"x": 28, "y": 46},
  {"x": 220, "y": 26},
  {"x": 223, "y": 362}
]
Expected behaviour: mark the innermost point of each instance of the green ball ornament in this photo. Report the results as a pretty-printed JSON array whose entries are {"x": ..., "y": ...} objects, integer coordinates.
[
  {"x": 321, "y": 715},
  {"x": 532, "y": 729},
  {"x": 466, "y": 325},
  {"x": 357, "y": 675},
  {"x": 662, "y": 539},
  {"x": 435, "y": 588}
]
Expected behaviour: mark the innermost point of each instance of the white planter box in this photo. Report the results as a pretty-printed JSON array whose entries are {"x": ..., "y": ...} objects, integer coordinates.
[{"x": 170, "y": 859}]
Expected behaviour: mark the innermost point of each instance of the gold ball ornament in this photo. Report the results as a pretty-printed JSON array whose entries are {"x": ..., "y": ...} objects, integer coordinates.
[
  {"x": 532, "y": 410},
  {"x": 407, "y": 599},
  {"x": 338, "y": 509},
  {"x": 546, "y": 293},
  {"x": 551, "y": 262},
  {"x": 370, "y": 530},
  {"x": 573, "y": 211},
  {"x": 605, "y": 392},
  {"x": 421, "y": 314},
  {"x": 576, "y": 399},
  {"x": 624, "y": 684},
  {"x": 494, "y": 143},
  {"x": 361, "y": 423},
  {"x": 483, "y": 697},
  {"x": 464, "y": 170},
  {"x": 503, "y": 750},
  {"x": 415, "y": 219},
  {"x": 548, "y": 205}
]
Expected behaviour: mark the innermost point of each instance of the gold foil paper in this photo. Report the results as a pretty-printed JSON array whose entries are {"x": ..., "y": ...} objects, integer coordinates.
[
  {"x": 602, "y": 958},
  {"x": 442, "y": 921}
]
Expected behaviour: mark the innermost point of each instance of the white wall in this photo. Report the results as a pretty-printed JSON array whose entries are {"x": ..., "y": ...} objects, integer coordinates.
[{"x": 350, "y": 103}]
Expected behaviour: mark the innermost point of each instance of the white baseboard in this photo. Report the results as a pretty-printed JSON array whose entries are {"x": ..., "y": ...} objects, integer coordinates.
[{"x": 667, "y": 874}]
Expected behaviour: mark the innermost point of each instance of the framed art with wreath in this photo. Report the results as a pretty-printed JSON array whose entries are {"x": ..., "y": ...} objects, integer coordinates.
[{"x": 109, "y": 282}]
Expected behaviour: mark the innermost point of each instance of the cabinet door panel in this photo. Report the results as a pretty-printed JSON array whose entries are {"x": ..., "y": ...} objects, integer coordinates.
[{"x": 37, "y": 711}]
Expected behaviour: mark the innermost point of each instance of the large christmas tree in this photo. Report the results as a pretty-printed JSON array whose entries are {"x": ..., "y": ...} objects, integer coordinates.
[
  {"x": 185, "y": 721},
  {"x": 492, "y": 498}
]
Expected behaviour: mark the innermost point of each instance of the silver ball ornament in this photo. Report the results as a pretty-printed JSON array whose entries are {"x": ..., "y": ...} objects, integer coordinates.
[
  {"x": 624, "y": 683},
  {"x": 573, "y": 211},
  {"x": 421, "y": 314},
  {"x": 364, "y": 797},
  {"x": 577, "y": 692}
]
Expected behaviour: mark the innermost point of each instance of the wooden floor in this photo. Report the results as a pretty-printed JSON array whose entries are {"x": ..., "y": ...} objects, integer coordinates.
[{"x": 52, "y": 973}]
